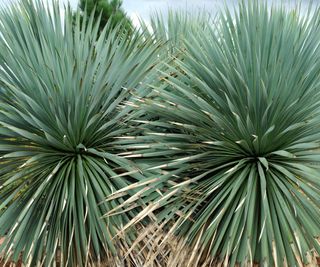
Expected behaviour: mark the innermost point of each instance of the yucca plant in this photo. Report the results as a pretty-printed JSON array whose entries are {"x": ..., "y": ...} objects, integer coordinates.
[
  {"x": 238, "y": 128},
  {"x": 64, "y": 104}
]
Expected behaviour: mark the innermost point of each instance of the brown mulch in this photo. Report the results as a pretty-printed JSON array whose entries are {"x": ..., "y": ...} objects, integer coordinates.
[{"x": 19, "y": 264}]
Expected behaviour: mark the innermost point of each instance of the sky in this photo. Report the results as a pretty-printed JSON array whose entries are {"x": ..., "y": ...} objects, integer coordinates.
[{"x": 143, "y": 8}]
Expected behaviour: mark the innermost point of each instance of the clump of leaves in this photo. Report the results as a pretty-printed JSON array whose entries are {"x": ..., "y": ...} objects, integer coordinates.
[
  {"x": 65, "y": 102},
  {"x": 238, "y": 130}
]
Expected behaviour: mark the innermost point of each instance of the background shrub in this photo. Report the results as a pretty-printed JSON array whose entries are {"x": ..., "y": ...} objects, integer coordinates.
[{"x": 107, "y": 11}]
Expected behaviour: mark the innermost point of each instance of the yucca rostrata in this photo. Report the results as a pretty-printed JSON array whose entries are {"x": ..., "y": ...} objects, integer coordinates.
[
  {"x": 64, "y": 102},
  {"x": 237, "y": 122}
]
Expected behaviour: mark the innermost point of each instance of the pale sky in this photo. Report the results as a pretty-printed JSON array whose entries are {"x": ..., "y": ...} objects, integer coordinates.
[{"x": 143, "y": 8}]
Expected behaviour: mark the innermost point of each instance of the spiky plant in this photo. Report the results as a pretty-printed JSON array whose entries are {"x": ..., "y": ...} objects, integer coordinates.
[
  {"x": 238, "y": 128},
  {"x": 64, "y": 103}
]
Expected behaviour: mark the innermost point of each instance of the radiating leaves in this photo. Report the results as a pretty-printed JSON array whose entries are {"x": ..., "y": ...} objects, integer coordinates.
[
  {"x": 236, "y": 119},
  {"x": 62, "y": 109}
]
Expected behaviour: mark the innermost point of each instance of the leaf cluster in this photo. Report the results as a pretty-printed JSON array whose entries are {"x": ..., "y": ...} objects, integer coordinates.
[{"x": 193, "y": 142}]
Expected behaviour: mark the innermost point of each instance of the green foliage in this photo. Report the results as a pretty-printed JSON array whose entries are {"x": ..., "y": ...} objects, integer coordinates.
[
  {"x": 219, "y": 147},
  {"x": 109, "y": 10},
  {"x": 234, "y": 128},
  {"x": 62, "y": 112}
]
